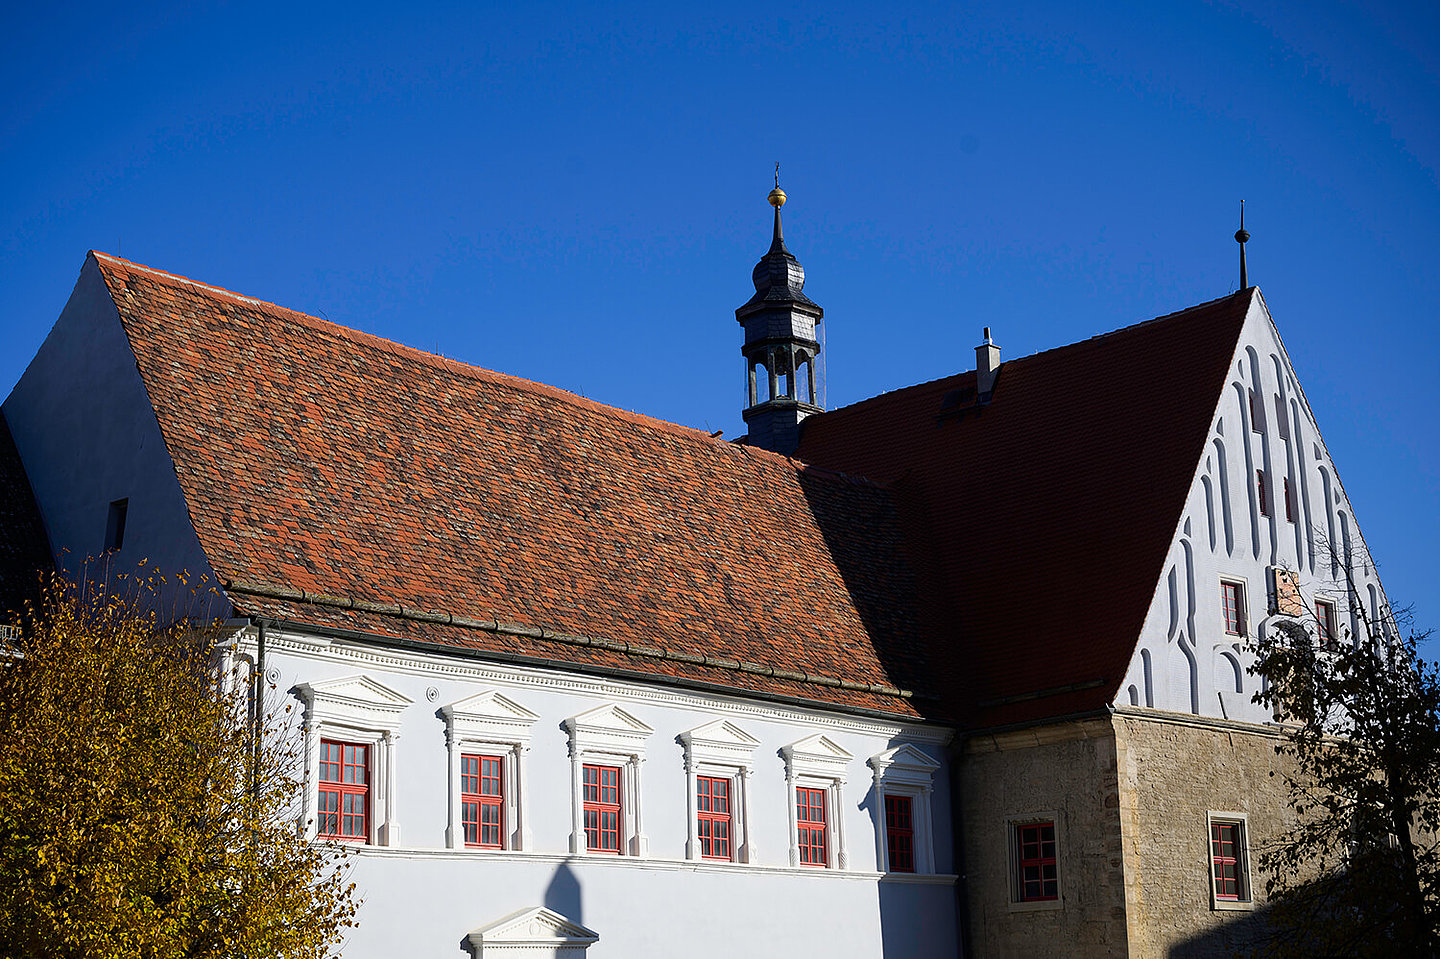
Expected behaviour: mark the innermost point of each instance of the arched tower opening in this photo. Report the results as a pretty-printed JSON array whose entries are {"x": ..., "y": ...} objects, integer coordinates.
[{"x": 781, "y": 346}]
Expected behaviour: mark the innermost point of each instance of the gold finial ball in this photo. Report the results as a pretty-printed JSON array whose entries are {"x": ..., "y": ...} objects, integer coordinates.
[{"x": 777, "y": 198}]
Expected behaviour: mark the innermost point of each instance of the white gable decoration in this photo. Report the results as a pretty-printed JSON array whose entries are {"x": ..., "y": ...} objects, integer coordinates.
[
  {"x": 489, "y": 714},
  {"x": 353, "y": 701},
  {"x": 535, "y": 933},
  {"x": 719, "y": 741},
  {"x": 608, "y": 727},
  {"x": 904, "y": 765},
  {"x": 816, "y": 755}
]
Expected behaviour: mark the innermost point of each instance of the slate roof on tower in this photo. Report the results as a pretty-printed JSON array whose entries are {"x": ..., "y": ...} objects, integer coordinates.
[
  {"x": 337, "y": 479},
  {"x": 1039, "y": 522}
]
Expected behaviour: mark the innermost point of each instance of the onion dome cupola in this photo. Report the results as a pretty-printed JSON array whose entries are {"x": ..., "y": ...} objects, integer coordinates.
[{"x": 781, "y": 347}]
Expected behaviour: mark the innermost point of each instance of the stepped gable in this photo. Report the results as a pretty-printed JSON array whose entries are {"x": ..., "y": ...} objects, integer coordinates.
[
  {"x": 1039, "y": 523},
  {"x": 319, "y": 459},
  {"x": 24, "y": 546}
]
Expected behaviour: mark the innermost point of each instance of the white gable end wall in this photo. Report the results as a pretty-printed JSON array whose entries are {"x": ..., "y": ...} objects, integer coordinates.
[
  {"x": 1236, "y": 530},
  {"x": 87, "y": 434}
]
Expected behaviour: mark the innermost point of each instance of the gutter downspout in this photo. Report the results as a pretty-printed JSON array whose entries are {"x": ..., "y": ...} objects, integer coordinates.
[
  {"x": 957, "y": 842},
  {"x": 257, "y": 709}
]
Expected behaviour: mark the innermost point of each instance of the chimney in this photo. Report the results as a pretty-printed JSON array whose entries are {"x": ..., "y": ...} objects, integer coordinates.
[{"x": 987, "y": 366}]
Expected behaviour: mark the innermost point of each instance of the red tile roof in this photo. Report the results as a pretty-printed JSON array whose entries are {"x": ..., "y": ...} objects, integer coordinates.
[
  {"x": 1039, "y": 523},
  {"x": 318, "y": 459}
]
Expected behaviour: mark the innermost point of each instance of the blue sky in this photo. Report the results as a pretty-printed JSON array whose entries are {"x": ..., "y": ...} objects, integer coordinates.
[{"x": 576, "y": 194}]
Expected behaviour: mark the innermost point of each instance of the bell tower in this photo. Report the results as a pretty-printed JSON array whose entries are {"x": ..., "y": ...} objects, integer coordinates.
[{"x": 780, "y": 347}]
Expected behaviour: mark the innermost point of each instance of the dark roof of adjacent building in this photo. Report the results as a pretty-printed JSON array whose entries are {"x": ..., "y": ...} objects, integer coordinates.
[
  {"x": 343, "y": 481},
  {"x": 24, "y": 547},
  {"x": 1039, "y": 522}
]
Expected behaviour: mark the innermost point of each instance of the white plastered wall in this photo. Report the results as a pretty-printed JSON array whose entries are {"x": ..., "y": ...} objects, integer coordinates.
[
  {"x": 423, "y": 895},
  {"x": 86, "y": 432},
  {"x": 1185, "y": 660}
]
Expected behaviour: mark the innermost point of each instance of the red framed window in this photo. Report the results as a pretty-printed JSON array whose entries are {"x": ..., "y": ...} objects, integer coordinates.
[
  {"x": 1325, "y": 622},
  {"x": 1039, "y": 878},
  {"x": 1226, "y": 849},
  {"x": 1289, "y": 502},
  {"x": 482, "y": 801},
  {"x": 712, "y": 808},
  {"x": 810, "y": 826},
  {"x": 900, "y": 833},
  {"x": 344, "y": 794},
  {"x": 601, "y": 807},
  {"x": 1261, "y": 493},
  {"x": 1232, "y": 603}
]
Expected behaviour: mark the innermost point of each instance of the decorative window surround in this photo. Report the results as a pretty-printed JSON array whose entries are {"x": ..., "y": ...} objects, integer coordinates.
[
  {"x": 608, "y": 736},
  {"x": 905, "y": 771},
  {"x": 720, "y": 748},
  {"x": 532, "y": 932},
  {"x": 318, "y": 648},
  {"x": 490, "y": 723},
  {"x": 816, "y": 762},
  {"x": 354, "y": 709}
]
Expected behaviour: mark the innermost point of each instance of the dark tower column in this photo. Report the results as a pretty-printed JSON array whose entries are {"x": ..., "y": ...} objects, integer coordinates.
[{"x": 779, "y": 322}]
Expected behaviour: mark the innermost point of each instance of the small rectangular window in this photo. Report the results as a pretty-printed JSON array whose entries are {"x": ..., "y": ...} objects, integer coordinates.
[
  {"x": 601, "y": 807},
  {"x": 810, "y": 824},
  {"x": 482, "y": 798},
  {"x": 1257, "y": 413},
  {"x": 712, "y": 809},
  {"x": 1262, "y": 493},
  {"x": 344, "y": 791},
  {"x": 1232, "y": 603},
  {"x": 1289, "y": 502},
  {"x": 1325, "y": 623},
  {"x": 1282, "y": 422},
  {"x": 115, "y": 525},
  {"x": 900, "y": 833},
  {"x": 1037, "y": 879},
  {"x": 1227, "y": 861}
]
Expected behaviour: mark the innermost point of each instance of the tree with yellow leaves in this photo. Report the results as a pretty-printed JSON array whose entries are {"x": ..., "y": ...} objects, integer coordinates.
[{"x": 146, "y": 805}]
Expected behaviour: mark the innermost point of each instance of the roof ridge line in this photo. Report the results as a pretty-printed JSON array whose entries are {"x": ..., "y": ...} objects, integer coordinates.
[
  {"x": 1052, "y": 349},
  {"x": 449, "y": 364},
  {"x": 441, "y": 618}
]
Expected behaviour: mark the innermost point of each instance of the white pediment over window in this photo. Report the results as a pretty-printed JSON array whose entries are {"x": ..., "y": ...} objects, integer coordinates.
[
  {"x": 489, "y": 714},
  {"x": 354, "y": 700},
  {"x": 816, "y": 755},
  {"x": 904, "y": 764},
  {"x": 720, "y": 741},
  {"x": 532, "y": 932},
  {"x": 608, "y": 726}
]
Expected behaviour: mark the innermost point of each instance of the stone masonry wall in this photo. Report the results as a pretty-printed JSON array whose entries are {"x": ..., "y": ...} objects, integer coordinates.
[
  {"x": 1174, "y": 770},
  {"x": 1068, "y": 769}
]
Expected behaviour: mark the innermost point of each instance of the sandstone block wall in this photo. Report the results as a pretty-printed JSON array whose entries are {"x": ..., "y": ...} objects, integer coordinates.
[
  {"x": 1069, "y": 769},
  {"x": 1131, "y": 794},
  {"x": 1174, "y": 769}
]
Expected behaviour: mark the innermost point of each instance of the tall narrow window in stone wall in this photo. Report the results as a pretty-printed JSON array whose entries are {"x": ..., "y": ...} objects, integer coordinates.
[
  {"x": 1229, "y": 861},
  {"x": 1034, "y": 842}
]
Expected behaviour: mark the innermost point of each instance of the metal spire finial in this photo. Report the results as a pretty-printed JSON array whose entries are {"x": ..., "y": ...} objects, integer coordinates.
[
  {"x": 1241, "y": 236},
  {"x": 777, "y": 200}
]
